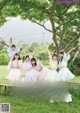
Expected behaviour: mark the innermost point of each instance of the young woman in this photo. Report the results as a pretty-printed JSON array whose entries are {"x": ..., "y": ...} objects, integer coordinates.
[
  {"x": 15, "y": 66},
  {"x": 26, "y": 66},
  {"x": 27, "y": 63},
  {"x": 12, "y": 50},
  {"x": 64, "y": 73},
  {"x": 52, "y": 72},
  {"x": 34, "y": 71}
]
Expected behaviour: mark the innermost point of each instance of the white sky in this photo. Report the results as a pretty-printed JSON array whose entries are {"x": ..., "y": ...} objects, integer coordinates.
[{"x": 25, "y": 31}]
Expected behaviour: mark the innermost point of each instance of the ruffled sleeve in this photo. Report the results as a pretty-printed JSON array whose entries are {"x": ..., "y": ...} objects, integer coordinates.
[{"x": 66, "y": 57}]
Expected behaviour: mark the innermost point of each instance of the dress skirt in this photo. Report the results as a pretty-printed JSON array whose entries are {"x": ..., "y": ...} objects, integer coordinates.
[
  {"x": 14, "y": 74},
  {"x": 65, "y": 74},
  {"x": 51, "y": 75},
  {"x": 32, "y": 75}
]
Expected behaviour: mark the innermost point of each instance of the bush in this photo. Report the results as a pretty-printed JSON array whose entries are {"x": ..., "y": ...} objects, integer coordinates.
[
  {"x": 75, "y": 66},
  {"x": 3, "y": 58}
]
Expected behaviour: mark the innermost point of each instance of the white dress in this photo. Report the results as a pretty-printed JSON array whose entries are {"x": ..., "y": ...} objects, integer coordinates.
[
  {"x": 26, "y": 67},
  {"x": 15, "y": 70},
  {"x": 64, "y": 73},
  {"x": 52, "y": 73},
  {"x": 32, "y": 73},
  {"x": 43, "y": 73}
]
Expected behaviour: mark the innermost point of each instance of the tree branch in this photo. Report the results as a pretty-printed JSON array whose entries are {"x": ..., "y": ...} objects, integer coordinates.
[
  {"x": 19, "y": 43},
  {"x": 72, "y": 41},
  {"x": 3, "y": 42},
  {"x": 42, "y": 25},
  {"x": 66, "y": 9},
  {"x": 10, "y": 41}
]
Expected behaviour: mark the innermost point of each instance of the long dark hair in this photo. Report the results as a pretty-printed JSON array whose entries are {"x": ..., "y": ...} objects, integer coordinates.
[
  {"x": 33, "y": 59},
  {"x": 16, "y": 55},
  {"x": 62, "y": 52}
]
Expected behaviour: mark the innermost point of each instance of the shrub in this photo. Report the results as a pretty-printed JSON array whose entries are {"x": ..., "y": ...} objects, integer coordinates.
[
  {"x": 3, "y": 58},
  {"x": 75, "y": 65}
]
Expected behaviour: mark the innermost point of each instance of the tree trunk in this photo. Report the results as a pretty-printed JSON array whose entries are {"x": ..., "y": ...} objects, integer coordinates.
[
  {"x": 61, "y": 38},
  {"x": 54, "y": 37},
  {"x": 55, "y": 41}
]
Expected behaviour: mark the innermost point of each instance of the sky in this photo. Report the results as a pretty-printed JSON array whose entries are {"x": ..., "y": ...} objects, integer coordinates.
[{"x": 25, "y": 31}]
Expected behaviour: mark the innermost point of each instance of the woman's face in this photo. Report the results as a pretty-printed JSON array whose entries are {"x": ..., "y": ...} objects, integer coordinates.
[
  {"x": 61, "y": 55},
  {"x": 33, "y": 62},
  {"x": 16, "y": 57},
  {"x": 13, "y": 48},
  {"x": 26, "y": 59},
  {"x": 54, "y": 58}
]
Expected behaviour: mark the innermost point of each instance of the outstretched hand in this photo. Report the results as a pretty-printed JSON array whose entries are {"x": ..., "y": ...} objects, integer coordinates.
[{"x": 73, "y": 48}]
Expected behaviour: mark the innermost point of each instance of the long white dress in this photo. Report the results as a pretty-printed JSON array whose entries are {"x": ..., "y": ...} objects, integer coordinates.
[
  {"x": 52, "y": 73},
  {"x": 25, "y": 68},
  {"x": 15, "y": 70},
  {"x": 32, "y": 73},
  {"x": 64, "y": 73}
]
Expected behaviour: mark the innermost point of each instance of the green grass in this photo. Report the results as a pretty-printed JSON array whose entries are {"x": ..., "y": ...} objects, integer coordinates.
[
  {"x": 3, "y": 74},
  {"x": 76, "y": 79},
  {"x": 25, "y": 105},
  {"x": 3, "y": 71}
]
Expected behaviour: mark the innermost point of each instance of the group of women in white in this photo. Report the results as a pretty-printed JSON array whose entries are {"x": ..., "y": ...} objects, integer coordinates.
[{"x": 35, "y": 71}]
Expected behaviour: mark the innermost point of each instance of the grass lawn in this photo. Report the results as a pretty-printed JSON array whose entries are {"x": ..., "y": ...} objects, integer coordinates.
[
  {"x": 3, "y": 71},
  {"x": 25, "y": 105},
  {"x": 3, "y": 74}
]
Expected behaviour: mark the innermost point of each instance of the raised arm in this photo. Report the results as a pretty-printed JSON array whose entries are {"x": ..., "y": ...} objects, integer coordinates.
[
  {"x": 49, "y": 54},
  {"x": 8, "y": 50},
  {"x": 33, "y": 53},
  {"x": 71, "y": 51},
  {"x": 77, "y": 53}
]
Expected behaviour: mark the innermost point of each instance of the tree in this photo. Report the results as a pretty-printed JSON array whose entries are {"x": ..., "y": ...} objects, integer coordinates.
[{"x": 64, "y": 19}]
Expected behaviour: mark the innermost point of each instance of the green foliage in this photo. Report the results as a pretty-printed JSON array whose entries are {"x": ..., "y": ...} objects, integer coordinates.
[
  {"x": 40, "y": 52},
  {"x": 12, "y": 10},
  {"x": 52, "y": 48},
  {"x": 75, "y": 65},
  {"x": 65, "y": 17},
  {"x": 3, "y": 58}
]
